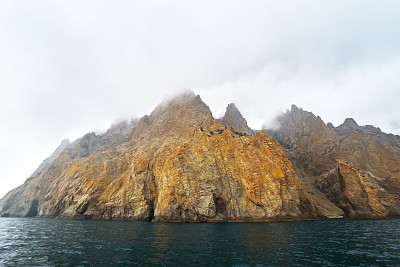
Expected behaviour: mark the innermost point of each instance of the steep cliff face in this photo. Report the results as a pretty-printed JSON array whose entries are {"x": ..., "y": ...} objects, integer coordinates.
[
  {"x": 355, "y": 167},
  {"x": 29, "y": 198},
  {"x": 178, "y": 164},
  {"x": 357, "y": 193}
]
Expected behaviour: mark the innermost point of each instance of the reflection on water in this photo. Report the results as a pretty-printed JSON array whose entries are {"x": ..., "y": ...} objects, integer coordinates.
[
  {"x": 68, "y": 242},
  {"x": 163, "y": 236},
  {"x": 263, "y": 238}
]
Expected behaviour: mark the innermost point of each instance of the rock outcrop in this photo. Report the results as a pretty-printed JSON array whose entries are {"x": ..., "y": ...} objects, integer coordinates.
[
  {"x": 234, "y": 118},
  {"x": 357, "y": 168},
  {"x": 177, "y": 164},
  {"x": 27, "y": 199},
  {"x": 350, "y": 126}
]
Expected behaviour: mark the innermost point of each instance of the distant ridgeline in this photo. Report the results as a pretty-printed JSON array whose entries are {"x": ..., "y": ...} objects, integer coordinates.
[{"x": 179, "y": 164}]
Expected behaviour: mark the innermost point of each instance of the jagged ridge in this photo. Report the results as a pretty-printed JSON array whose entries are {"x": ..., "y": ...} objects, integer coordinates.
[
  {"x": 355, "y": 167},
  {"x": 181, "y": 164},
  {"x": 178, "y": 164}
]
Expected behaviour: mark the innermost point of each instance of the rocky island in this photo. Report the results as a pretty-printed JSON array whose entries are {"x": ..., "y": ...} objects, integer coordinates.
[{"x": 179, "y": 164}]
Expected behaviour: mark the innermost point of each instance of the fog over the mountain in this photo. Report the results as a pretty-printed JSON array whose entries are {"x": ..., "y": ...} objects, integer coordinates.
[{"x": 70, "y": 67}]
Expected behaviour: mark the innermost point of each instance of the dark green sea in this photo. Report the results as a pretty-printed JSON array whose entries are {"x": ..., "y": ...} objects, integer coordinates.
[{"x": 56, "y": 242}]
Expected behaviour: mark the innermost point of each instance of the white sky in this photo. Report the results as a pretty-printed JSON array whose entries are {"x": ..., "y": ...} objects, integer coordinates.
[{"x": 70, "y": 67}]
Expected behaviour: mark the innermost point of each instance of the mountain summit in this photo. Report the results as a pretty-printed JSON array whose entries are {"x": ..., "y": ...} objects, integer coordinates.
[
  {"x": 234, "y": 118},
  {"x": 354, "y": 167},
  {"x": 177, "y": 164},
  {"x": 64, "y": 144}
]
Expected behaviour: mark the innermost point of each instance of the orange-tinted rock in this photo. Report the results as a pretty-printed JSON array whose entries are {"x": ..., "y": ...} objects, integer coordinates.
[
  {"x": 178, "y": 164},
  {"x": 355, "y": 167}
]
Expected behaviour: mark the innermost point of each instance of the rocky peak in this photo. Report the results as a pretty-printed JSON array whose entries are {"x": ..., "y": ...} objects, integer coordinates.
[
  {"x": 90, "y": 143},
  {"x": 175, "y": 116},
  {"x": 350, "y": 126},
  {"x": 299, "y": 123},
  {"x": 298, "y": 118},
  {"x": 294, "y": 108},
  {"x": 234, "y": 118},
  {"x": 349, "y": 123},
  {"x": 372, "y": 129},
  {"x": 188, "y": 101},
  {"x": 122, "y": 127},
  {"x": 64, "y": 144},
  {"x": 326, "y": 157},
  {"x": 179, "y": 165}
]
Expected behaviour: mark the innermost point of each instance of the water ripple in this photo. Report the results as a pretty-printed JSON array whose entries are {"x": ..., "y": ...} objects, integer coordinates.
[{"x": 49, "y": 242}]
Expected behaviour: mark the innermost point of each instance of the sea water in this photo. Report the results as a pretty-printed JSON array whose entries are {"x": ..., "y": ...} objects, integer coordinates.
[{"x": 59, "y": 242}]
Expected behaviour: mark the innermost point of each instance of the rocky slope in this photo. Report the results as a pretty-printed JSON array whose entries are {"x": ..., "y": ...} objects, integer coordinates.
[
  {"x": 356, "y": 168},
  {"x": 26, "y": 199},
  {"x": 64, "y": 144},
  {"x": 178, "y": 164},
  {"x": 350, "y": 126}
]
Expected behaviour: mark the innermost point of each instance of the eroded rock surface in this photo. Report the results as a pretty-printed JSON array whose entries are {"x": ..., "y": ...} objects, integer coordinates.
[
  {"x": 177, "y": 164},
  {"x": 356, "y": 167}
]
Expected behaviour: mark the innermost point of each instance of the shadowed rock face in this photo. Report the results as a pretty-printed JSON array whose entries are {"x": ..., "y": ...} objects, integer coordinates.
[
  {"x": 177, "y": 164},
  {"x": 235, "y": 119},
  {"x": 356, "y": 167}
]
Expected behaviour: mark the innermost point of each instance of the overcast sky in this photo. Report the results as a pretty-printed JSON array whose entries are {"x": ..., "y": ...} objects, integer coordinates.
[{"x": 70, "y": 67}]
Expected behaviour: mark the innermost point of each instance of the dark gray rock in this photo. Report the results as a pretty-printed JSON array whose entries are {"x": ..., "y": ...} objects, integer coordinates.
[{"x": 234, "y": 118}]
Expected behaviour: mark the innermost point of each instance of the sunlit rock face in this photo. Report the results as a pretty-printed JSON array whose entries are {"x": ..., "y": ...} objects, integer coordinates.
[
  {"x": 177, "y": 164},
  {"x": 357, "y": 168}
]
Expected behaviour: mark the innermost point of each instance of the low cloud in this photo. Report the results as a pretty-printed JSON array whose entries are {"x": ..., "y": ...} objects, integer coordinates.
[
  {"x": 395, "y": 125},
  {"x": 70, "y": 67}
]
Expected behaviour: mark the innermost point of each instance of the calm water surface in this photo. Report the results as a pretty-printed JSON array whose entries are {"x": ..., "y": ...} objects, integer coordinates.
[{"x": 39, "y": 241}]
